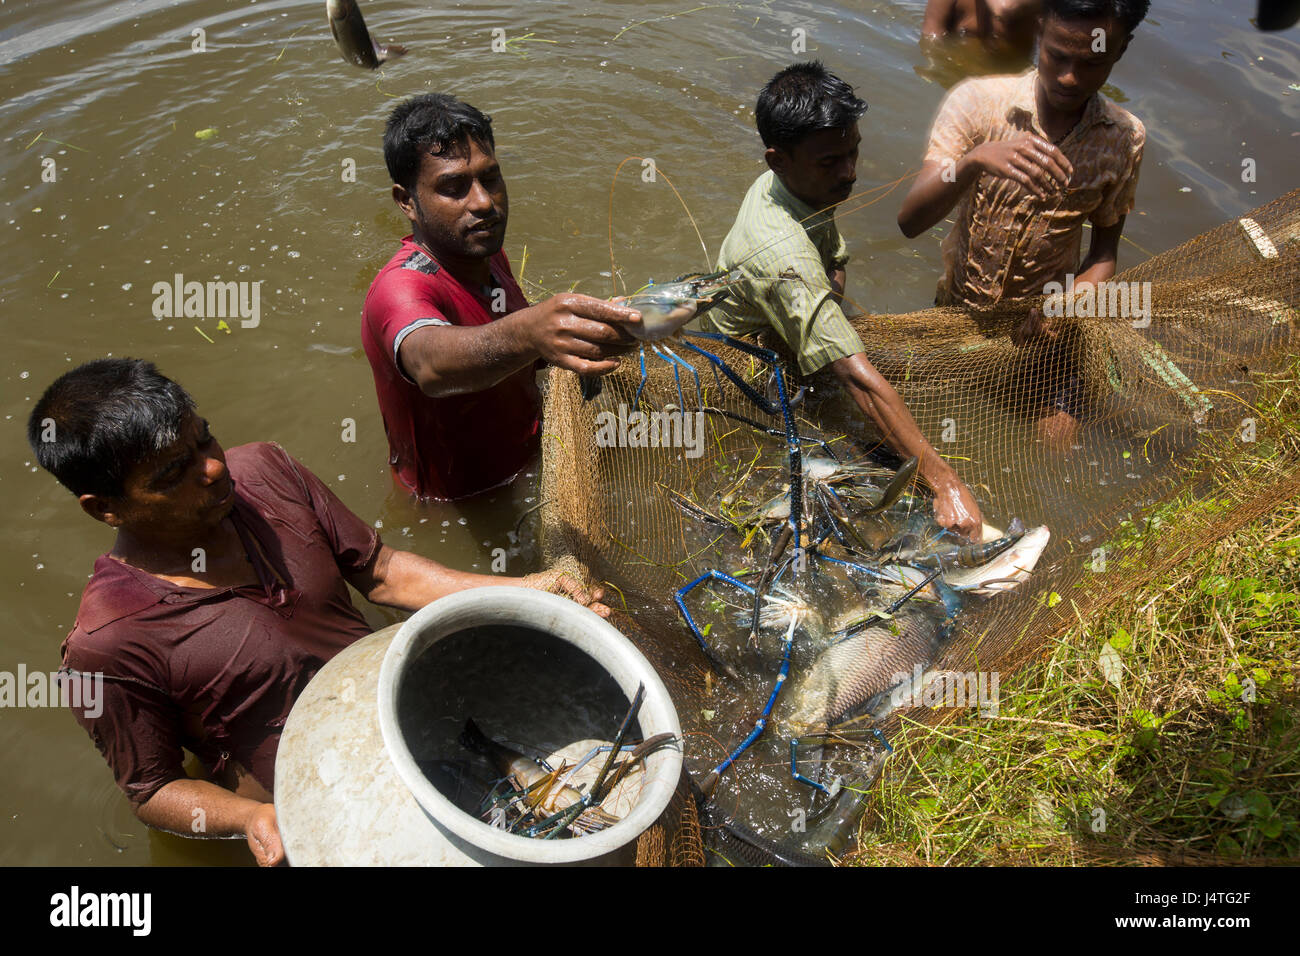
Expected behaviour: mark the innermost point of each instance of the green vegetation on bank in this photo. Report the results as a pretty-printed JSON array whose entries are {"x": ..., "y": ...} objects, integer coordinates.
[{"x": 1164, "y": 729}]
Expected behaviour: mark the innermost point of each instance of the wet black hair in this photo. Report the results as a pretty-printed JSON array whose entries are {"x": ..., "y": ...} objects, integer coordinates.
[
  {"x": 433, "y": 123},
  {"x": 802, "y": 99},
  {"x": 1129, "y": 13},
  {"x": 107, "y": 417}
]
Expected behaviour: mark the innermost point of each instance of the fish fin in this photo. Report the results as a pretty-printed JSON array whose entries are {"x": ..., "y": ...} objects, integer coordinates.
[{"x": 389, "y": 52}]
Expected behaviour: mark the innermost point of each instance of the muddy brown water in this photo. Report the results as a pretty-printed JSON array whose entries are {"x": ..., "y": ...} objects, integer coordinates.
[{"x": 113, "y": 94}]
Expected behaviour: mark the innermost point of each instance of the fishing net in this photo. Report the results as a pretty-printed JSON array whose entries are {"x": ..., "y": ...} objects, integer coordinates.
[
  {"x": 675, "y": 838},
  {"x": 1170, "y": 409}
]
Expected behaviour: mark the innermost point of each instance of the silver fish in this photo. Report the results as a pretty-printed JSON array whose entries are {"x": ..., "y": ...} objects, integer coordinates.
[
  {"x": 855, "y": 672},
  {"x": 353, "y": 38},
  {"x": 1008, "y": 569}
]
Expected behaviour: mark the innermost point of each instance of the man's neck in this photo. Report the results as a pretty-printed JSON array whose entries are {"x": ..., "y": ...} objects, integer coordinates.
[
  {"x": 1055, "y": 124},
  {"x": 786, "y": 187},
  {"x": 471, "y": 272},
  {"x": 174, "y": 558}
]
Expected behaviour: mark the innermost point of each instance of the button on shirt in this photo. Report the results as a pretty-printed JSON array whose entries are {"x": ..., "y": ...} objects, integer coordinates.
[
  {"x": 785, "y": 249},
  {"x": 1007, "y": 244},
  {"x": 217, "y": 670}
]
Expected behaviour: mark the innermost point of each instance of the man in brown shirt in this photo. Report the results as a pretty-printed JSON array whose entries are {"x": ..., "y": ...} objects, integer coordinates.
[
  {"x": 225, "y": 592},
  {"x": 1026, "y": 160}
]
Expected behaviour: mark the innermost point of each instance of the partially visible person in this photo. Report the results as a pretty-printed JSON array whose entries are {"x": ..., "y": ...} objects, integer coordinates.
[
  {"x": 1004, "y": 26},
  {"x": 453, "y": 344},
  {"x": 225, "y": 591},
  {"x": 1025, "y": 161},
  {"x": 787, "y": 244}
]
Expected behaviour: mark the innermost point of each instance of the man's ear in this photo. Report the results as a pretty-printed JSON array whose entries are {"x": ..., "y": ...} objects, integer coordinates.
[
  {"x": 405, "y": 201},
  {"x": 777, "y": 160},
  {"x": 101, "y": 509},
  {"x": 1122, "y": 47}
]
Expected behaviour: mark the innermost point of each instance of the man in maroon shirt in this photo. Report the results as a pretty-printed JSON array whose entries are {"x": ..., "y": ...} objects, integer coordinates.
[
  {"x": 452, "y": 342},
  {"x": 225, "y": 592}
]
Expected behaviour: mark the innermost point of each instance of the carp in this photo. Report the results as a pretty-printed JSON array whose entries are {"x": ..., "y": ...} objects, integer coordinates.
[
  {"x": 854, "y": 673},
  {"x": 353, "y": 38},
  {"x": 1010, "y": 568}
]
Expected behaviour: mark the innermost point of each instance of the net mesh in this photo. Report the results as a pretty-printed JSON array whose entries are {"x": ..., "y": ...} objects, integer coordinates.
[{"x": 1168, "y": 408}]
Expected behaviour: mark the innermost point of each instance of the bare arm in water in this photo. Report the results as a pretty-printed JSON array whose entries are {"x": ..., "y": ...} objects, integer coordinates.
[
  {"x": 954, "y": 505},
  {"x": 200, "y": 808}
]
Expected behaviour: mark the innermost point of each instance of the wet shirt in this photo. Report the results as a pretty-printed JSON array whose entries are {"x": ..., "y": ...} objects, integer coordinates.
[
  {"x": 217, "y": 670},
  {"x": 458, "y": 445},
  {"x": 1006, "y": 243},
  {"x": 785, "y": 250}
]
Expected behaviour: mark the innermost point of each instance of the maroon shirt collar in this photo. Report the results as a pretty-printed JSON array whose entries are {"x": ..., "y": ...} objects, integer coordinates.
[{"x": 117, "y": 590}]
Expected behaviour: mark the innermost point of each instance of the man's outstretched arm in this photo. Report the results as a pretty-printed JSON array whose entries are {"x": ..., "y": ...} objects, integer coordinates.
[
  {"x": 954, "y": 505},
  {"x": 575, "y": 332},
  {"x": 408, "y": 581},
  {"x": 1103, "y": 254}
]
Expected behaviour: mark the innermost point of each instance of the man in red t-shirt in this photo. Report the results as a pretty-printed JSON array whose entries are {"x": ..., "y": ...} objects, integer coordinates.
[
  {"x": 453, "y": 343},
  {"x": 225, "y": 591}
]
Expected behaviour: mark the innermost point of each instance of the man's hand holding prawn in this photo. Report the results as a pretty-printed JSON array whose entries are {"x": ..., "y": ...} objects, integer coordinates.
[{"x": 579, "y": 333}]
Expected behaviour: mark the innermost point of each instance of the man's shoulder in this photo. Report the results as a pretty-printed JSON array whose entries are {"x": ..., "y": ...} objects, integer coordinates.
[
  {"x": 251, "y": 461},
  {"x": 1000, "y": 89},
  {"x": 113, "y": 592},
  {"x": 408, "y": 260},
  {"x": 1128, "y": 125},
  {"x": 765, "y": 229},
  {"x": 106, "y": 637},
  {"x": 269, "y": 475},
  {"x": 409, "y": 273}
]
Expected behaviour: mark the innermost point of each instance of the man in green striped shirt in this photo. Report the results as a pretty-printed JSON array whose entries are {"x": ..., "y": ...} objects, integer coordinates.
[{"x": 786, "y": 242}]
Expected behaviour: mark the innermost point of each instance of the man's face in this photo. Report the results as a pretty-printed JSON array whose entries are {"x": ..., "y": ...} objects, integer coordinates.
[
  {"x": 1075, "y": 57},
  {"x": 182, "y": 491},
  {"x": 459, "y": 206},
  {"x": 821, "y": 168}
]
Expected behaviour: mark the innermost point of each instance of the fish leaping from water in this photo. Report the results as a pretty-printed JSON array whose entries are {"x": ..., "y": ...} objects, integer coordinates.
[{"x": 353, "y": 38}]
